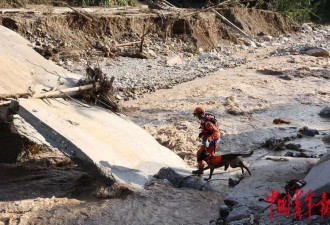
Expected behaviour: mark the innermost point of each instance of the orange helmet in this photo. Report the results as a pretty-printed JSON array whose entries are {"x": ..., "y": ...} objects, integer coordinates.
[{"x": 199, "y": 110}]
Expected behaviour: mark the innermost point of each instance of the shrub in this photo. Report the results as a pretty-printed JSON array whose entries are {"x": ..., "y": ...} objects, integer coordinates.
[{"x": 300, "y": 10}]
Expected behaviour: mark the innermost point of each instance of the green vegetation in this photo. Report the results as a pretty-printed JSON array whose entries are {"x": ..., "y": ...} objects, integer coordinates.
[
  {"x": 300, "y": 10},
  {"x": 104, "y": 3}
]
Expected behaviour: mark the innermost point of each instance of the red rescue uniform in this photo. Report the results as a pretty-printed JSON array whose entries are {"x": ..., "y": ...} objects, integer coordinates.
[{"x": 210, "y": 132}]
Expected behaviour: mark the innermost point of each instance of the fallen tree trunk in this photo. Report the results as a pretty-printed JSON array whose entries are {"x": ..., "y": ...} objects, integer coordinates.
[
  {"x": 229, "y": 23},
  {"x": 83, "y": 15},
  {"x": 168, "y": 3},
  {"x": 96, "y": 86},
  {"x": 126, "y": 44},
  {"x": 17, "y": 95}
]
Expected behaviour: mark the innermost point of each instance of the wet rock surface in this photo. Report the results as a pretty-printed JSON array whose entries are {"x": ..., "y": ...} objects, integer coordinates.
[
  {"x": 182, "y": 180},
  {"x": 238, "y": 214},
  {"x": 325, "y": 112}
]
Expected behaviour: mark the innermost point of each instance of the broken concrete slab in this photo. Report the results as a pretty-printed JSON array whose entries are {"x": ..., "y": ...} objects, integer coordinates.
[
  {"x": 106, "y": 145},
  {"x": 22, "y": 68},
  {"x": 318, "y": 178}
]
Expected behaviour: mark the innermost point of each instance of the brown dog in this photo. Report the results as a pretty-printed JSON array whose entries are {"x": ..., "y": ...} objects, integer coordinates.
[{"x": 232, "y": 160}]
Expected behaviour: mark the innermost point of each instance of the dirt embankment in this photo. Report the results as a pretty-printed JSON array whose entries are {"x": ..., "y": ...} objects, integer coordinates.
[{"x": 63, "y": 35}]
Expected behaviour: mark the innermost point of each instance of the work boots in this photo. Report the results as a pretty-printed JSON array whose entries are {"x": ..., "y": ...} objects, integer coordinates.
[{"x": 199, "y": 171}]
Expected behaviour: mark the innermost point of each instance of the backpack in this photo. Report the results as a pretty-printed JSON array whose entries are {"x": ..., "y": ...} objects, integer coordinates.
[
  {"x": 211, "y": 118},
  {"x": 294, "y": 185}
]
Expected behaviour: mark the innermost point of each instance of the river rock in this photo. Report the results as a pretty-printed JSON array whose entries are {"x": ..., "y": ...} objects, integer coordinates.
[
  {"x": 326, "y": 139},
  {"x": 224, "y": 211},
  {"x": 252, "y": 44},
  {"x": 293, "y": 146},
  {"x": 306, "y": 27},
  {"x": 245, "y": 221},
  {"x": 230, "y": 201},
  {"x": 239, "y": 214},
  {"x": 179, "y": 180},
  {"x": 151, "y": 53},
  {"x": 286, "y": 77},
  {"x": 212, "y": 222},
  {"x": 209, "y": 55},
  {"x": 325, "y": 112},
  {"x": 267, "y": 38},
  {"x": 318, "y": 179},
  {"x": 318, "y": 52},
  {"x": 289, "y": 154},
  {"x": 258, "y": 44},
  {"x": 308, "y": 132},
  {"x": 176, "y": 60}
]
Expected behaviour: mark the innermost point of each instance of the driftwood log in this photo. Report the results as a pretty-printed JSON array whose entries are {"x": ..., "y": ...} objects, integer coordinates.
[
  {"x": 17, "y": 95},
  {"x": 95, "y": 86},
  {"x": 127, "y": 44},
  {"x": 230, "y": 23},
  {"x": 90, "y": 19}
]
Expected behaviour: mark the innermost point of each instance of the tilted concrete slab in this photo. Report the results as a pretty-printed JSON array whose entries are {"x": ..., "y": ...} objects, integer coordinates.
[
  {"x": 100, "y": 141},
  {"x": 317, "y": 180},
  {"x": 22, "y": 68},
  {"x": 106, "y": 145}
]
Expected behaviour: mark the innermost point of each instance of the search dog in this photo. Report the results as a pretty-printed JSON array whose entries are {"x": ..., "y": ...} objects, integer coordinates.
[{"x": 233, "y": 160}]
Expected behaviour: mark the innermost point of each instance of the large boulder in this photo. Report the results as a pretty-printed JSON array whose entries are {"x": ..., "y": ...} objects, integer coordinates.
[
  {"x": 224, "y": 211},
  {"x": 326, "y": 139},
  {"x": 318, "y": 179},
  {"x": 176, "y": 60},
  {"x": 318, "y": 52},
  {"x": 267, "y": 38},
  {"x": 306, "y": 27},
  {"x": 239, "y": 214},
  {"x": 179, "y": 179},
  {"x": 325, "y": 112},
  {"x": 210, "y": 55}
]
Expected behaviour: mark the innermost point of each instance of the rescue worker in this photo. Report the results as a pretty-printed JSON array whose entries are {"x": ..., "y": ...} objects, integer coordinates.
[{"x": 210, "y": 136}]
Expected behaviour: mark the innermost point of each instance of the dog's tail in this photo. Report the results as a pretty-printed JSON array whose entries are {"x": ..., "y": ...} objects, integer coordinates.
[
  {"x": 246, "y": 154},
  {"x": 234, "y": 155}
]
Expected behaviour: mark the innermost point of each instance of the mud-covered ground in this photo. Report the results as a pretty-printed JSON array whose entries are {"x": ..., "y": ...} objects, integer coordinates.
[
  {"x": 272, "y": 79},
  {"x": 49, "y": 189}
]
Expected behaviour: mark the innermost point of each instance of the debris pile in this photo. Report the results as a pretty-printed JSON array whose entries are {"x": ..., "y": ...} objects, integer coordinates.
[{"x": 104, "y": 95}]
